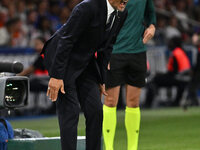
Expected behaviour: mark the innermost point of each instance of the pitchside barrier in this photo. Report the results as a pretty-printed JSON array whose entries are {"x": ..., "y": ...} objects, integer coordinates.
[{"x": 52, "y": 143}]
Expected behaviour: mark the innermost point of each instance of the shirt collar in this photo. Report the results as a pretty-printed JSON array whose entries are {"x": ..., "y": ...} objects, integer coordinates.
[{"x": 109, "y": 8}]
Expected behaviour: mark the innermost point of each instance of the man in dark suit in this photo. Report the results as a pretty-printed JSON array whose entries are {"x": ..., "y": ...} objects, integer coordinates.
[{"x": 76, "y": 73}]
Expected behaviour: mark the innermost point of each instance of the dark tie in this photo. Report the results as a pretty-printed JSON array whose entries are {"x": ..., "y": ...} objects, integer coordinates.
[{"x": 110, "y": 20}]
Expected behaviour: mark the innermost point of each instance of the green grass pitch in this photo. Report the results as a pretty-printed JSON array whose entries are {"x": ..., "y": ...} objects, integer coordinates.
[{"x": 161, "y": 129}]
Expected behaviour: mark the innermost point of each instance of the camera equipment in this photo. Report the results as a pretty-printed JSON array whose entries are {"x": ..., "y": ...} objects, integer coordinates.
[
  {"x": 14, "y": 67},
  {"x": 14, "y": 90}
]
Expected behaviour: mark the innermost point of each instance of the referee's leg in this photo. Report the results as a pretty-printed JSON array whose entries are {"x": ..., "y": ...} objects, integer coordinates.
[
  {"x": 135, "y": 80},
  {"x": 110, "y": 116},
  {"x": 115, "y": 77},
  {"x": 132, "y": 116}
]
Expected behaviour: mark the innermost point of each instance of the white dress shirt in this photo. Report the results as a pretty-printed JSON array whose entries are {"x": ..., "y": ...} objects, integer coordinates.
[{"x": 110, "y": 10}]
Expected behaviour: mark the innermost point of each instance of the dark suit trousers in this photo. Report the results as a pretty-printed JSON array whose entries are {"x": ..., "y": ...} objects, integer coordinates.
[{"x": 85, "y": 93}]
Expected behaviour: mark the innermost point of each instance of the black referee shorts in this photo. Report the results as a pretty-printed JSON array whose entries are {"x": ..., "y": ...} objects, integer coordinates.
[{"x": 127, "y": 69}]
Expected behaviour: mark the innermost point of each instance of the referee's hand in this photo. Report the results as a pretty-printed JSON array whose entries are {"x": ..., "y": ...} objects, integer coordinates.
[
  {"x": 53, "y": 88},
  {"x": 149, "y": 33},
  {"x": 103, "y": 90}
]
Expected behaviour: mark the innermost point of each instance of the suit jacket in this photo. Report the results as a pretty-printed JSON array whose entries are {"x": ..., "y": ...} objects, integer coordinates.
[{"x": 72, "y": 48}]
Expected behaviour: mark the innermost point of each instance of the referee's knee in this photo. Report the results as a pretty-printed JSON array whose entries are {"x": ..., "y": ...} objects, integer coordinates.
[
  {"x": 110, "y": 101},
  {"x": 133, "y": 102}
]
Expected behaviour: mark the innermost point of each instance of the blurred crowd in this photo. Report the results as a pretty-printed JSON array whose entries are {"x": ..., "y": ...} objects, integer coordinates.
[
  {"x": 23, "y": 20},
  {"x": 177, "y": 18}
]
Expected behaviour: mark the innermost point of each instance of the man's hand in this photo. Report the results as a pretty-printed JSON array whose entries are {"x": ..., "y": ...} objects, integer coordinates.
[
  {"x": 149, "y": 33},
  {"x": 53, "y": 88},
  {"x": 108, "y": 66},
  {"x": 103, "y": 90}
]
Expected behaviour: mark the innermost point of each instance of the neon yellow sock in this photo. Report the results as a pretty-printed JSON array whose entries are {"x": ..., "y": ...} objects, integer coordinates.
[
  {"x": 132, "y": 124},
  {"x": 109, "y": 126}
]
